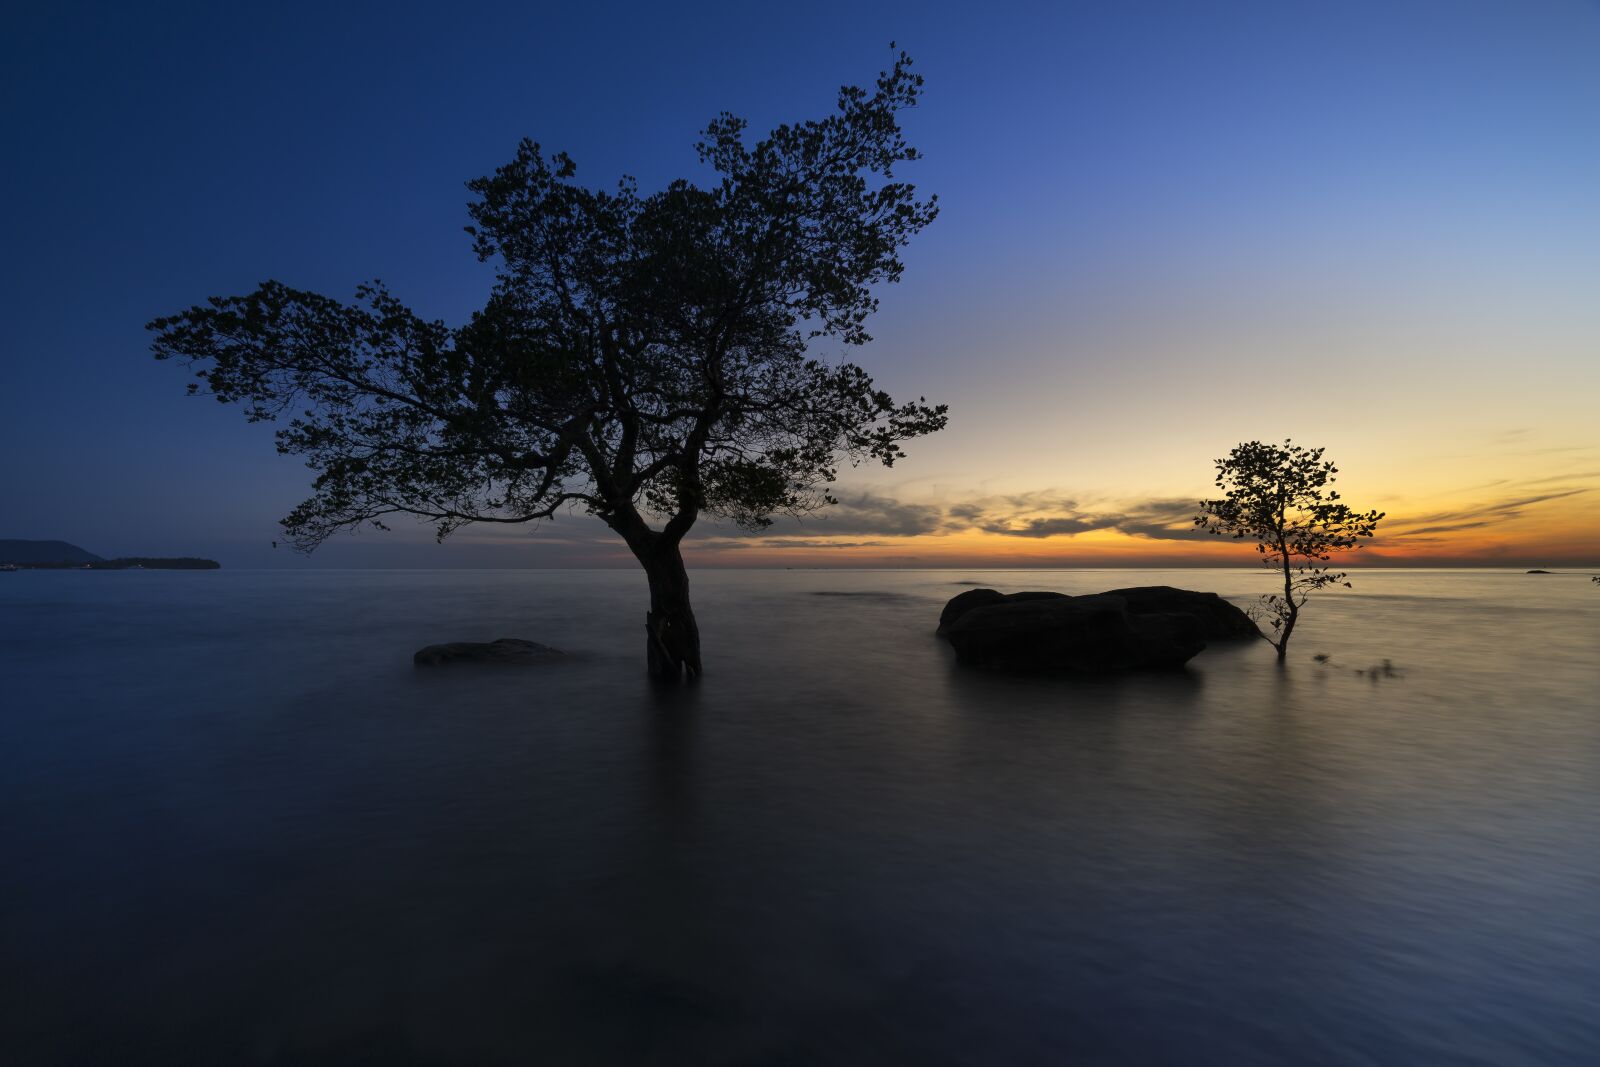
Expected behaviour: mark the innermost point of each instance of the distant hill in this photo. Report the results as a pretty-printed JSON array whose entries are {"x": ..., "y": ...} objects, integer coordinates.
[
  {"x": 22, "y": 552},
  {"x": 59, "y": 555}
]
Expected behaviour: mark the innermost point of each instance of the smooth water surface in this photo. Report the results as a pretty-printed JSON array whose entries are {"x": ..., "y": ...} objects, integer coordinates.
[{"x": 239, "y": 827}]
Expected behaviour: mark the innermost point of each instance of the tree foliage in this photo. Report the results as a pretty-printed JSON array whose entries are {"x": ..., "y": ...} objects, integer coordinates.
[
  {"x": 1281, "y": 497},
  {"x": 641, "y": 357}
]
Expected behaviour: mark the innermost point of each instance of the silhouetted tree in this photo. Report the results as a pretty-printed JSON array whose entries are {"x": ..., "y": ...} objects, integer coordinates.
[
  {"x": 1280, "y": 496},
  {"x": 640, "y": 357}
]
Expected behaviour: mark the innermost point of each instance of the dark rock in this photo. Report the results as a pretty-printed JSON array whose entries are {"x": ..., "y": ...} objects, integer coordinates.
[
  {"x": 1077, "y": 635},
  {"x": 507, "y": 650},
  {"x": 1541, "y": 572},
  {"x": 1125, "y": 629},
  {"x": 1220, "y": 620},
  {"x": 962, "y": 603}
]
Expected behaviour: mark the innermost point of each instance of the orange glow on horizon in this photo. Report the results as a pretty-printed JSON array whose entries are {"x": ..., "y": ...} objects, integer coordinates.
[{"x": 1566, "y": 537}]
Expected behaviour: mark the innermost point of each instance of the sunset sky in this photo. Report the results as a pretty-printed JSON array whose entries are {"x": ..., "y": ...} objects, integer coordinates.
[{"x": 1166, "y": 228}]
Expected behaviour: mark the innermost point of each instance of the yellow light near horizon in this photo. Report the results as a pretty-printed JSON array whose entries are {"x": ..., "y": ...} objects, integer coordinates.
[{"x": 1562, "y": 530}]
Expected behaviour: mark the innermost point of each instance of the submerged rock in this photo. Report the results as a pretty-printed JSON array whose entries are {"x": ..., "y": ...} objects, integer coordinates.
[
  {"x": 1220, "y": 620},
  {"x": 1125, "y": 629},
  {"x": 1075, "y": 635},
  {"x": 962, "y": 603},
  {"x": 507, "y": 650}
]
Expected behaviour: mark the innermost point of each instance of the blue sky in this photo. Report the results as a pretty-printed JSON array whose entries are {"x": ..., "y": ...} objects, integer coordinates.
[{"x": 1166, "y": 227}]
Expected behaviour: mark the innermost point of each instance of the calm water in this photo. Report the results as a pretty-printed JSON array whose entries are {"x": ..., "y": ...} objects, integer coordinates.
[{"x": 238, "y": 827}]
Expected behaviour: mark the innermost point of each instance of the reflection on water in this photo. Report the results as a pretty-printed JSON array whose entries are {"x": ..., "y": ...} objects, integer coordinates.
[{"x": 239, "y": 827}]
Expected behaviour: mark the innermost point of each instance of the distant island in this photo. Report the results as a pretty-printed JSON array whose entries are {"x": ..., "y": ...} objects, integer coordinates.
[{"x": 60, "y": 555}]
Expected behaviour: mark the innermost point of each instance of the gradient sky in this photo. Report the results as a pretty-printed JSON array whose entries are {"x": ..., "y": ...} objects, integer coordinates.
[{"x": 1166, "y": 228}]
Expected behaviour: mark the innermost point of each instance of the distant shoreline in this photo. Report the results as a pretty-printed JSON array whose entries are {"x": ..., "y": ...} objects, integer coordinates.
[
  {"x": 22, "y": 555},
  {"x": 132, "y": 563}
]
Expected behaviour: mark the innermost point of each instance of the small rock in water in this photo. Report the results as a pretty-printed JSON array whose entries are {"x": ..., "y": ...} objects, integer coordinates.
[{"x": 505, "y": 650}]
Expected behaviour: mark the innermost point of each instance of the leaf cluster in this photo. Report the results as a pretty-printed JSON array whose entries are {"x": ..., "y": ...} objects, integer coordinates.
[
  {"x": 1282, "y": 498},
  {"x": 639, "y": 355}
]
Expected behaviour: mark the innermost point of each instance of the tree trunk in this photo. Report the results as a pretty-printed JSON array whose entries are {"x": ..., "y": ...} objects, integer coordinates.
[
  {"x": 672, "y": 641},
  {"x": 1291, "y": 610}
]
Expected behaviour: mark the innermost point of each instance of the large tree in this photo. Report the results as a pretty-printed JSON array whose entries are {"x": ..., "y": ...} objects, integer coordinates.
[
  {"x": 640, "y": 357},
  {"x": 1282, "y": 497}
]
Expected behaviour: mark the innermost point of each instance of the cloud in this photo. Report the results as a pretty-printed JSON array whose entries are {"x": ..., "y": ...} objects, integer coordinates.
[
  {"x": 1165, "y": 519},
  {"x": 1476, "y": 517},
  {"x": 865, "y": 519},
  {"x": 1578, "y": 476},
  {"x": 1036, "y": 515},
  {"x": 869, "y": 514},
  {"x": 1552, "y": 451},
  {"x": 1160, "y": 519},
  {"x": 1057, "y": 526},
  {"x": 1449, "y": 527},
  {"x": 801, "y": 542}
]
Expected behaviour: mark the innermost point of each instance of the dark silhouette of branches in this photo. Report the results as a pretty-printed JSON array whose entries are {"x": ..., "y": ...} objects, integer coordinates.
[
  {"x": 641, "y": 357},
  {"x": 1281, "y": 497}
]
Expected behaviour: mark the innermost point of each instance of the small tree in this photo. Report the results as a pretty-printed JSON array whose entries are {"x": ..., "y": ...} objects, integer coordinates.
[
  {"x": 642, "y": 358},
  {"x": 1280, "y": 496}
]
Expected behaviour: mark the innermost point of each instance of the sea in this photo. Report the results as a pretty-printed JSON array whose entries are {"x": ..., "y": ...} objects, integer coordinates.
[{"x": 238, "y": 826}]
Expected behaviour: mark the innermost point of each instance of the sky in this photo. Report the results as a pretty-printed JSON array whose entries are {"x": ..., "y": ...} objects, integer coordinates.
[{"x": 1166, "y": 228}]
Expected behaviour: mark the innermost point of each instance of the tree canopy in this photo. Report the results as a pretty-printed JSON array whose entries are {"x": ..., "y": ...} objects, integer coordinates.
[
  {"x": 641, "y": 357},
  {"x": 1281, "y": 497}
]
